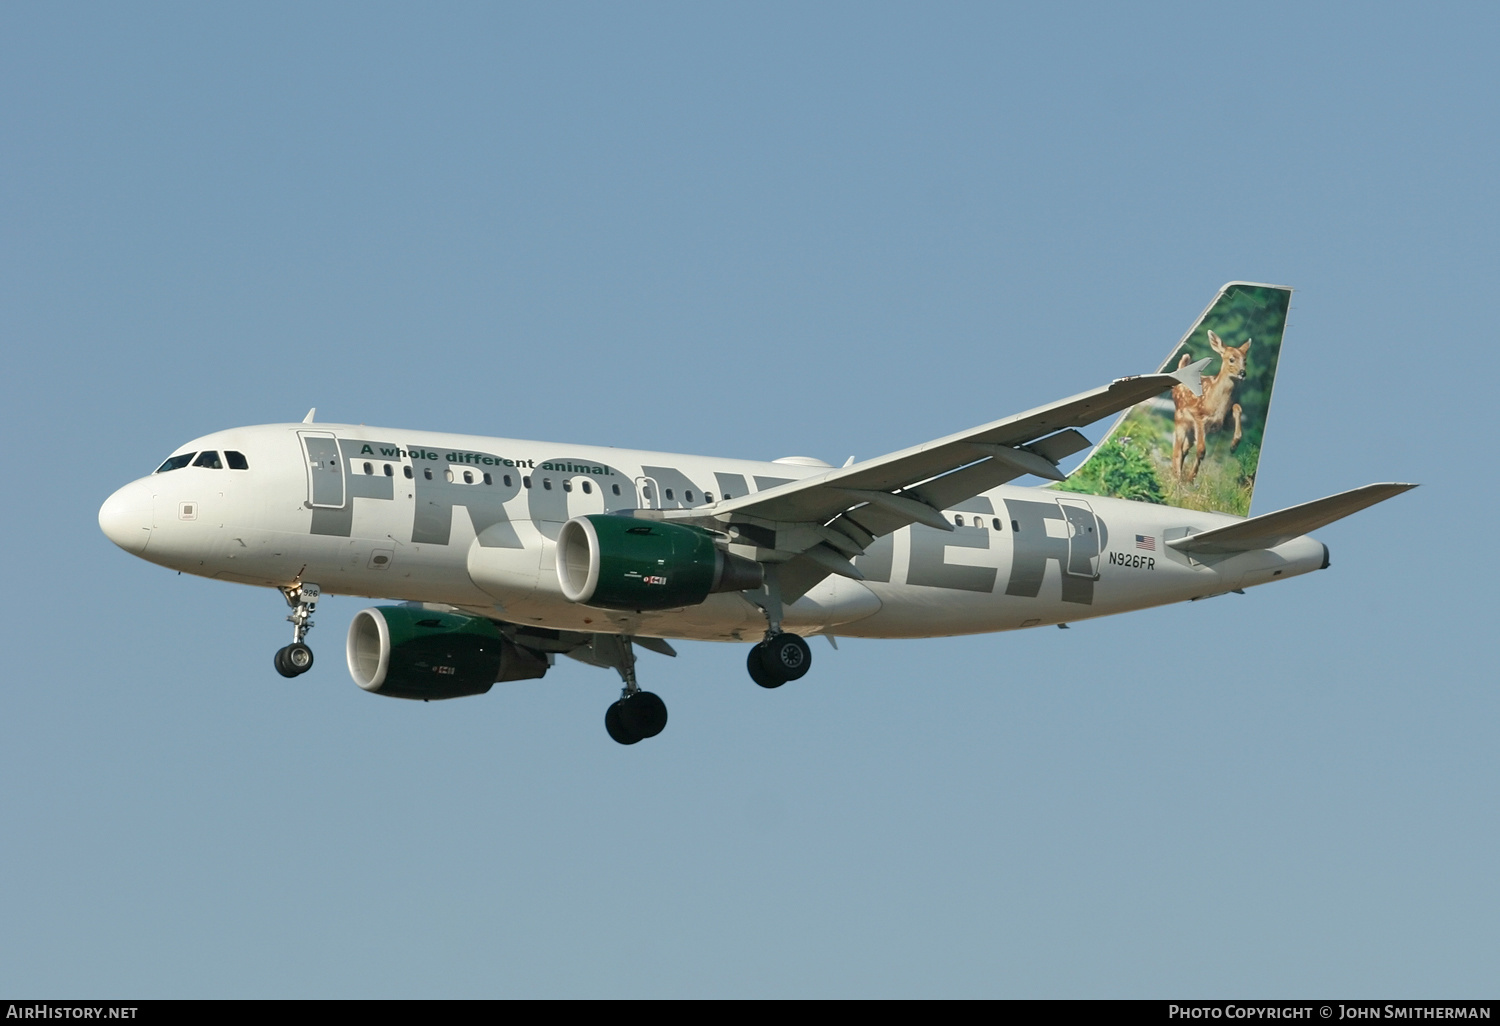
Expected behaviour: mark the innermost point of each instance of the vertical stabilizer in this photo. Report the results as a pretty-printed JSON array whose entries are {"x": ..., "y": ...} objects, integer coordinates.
[{"x": 1200, "y": 451}]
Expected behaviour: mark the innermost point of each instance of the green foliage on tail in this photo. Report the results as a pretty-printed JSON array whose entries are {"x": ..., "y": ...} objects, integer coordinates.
[
  {"x": 1135, "y": 460},
  {"x": 1119, "y": 468}
]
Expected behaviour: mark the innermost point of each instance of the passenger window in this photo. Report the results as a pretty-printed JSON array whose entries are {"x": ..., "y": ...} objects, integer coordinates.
[
  {"x": 616, "y": 489},
  {"x": 547, "y": 483},
  {"x": 210, "y": 460},
  {"x": 708, "y": 496},
  {"x": 448, "y": 475},
  {"x": 688, "y": 495},
  {"x": 407, "y": 471},
  {"x": 996, "y": 522},
  {"x": 646, "y": 491},
  {"x": 427, "y": 473},
  {"x": 506, "y": 479},
  {"x": 369, "y": 470},
  {"x": 389, "y": 472},
  {"x": 588, "y": 489},
  {"x": 236, "y": 460},
  {"x": 176, "y": 462},
  {"x": 526, "y": 481},
  {"x": 567, "y": 486},
  {"x": 728, "y": 496},
  {"x": 959, "y": 520},
  {"x": 669, "y": 495},
  {"x": 468, "y": 477},
  {"x": 1015, "y": 526},
  {"x": 487, "y": 478}
]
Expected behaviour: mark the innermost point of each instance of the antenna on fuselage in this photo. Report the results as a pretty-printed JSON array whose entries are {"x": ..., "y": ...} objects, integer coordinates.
[{"x": 309, "y": 418}]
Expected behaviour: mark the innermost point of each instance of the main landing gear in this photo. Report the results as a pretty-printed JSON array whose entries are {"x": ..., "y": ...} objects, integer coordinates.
[
  {"x": 638, "y": 714},
  {"x": 782, "y": 656},
  {"x": 635, "y": 717},
  {"x": 296, "y": 659},
  {"x": 778, "y": 659}
]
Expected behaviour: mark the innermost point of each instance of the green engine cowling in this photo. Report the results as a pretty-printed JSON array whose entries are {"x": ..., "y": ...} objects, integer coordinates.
[
  {"x": 616, "y": 562},
  {"x": 410, "y": 652}
]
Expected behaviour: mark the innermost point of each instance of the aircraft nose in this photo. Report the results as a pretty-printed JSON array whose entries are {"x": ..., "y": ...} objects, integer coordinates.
[{"x": 125, "y": 517}]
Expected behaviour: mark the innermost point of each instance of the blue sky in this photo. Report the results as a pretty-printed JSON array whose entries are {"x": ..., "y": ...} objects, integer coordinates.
[{"x": 749, "y": 231}]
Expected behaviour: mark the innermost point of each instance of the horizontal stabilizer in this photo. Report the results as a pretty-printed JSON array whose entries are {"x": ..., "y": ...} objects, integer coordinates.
[{"x": 1270, "y": 530}]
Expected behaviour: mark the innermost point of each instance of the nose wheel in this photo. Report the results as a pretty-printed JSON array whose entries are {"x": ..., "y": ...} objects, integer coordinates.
[{"x": 296, "y": 659}]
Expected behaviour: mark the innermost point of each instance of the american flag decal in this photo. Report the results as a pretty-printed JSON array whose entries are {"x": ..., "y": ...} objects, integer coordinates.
[{"x": 1145, "y": 541}]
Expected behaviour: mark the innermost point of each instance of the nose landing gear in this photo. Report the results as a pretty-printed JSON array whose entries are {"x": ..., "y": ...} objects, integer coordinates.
[{"x": 296, "y": 659}]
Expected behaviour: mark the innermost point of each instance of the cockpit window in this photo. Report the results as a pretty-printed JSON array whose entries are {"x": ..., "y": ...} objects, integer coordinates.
[
  {"x": 210, "y": 460},
  {"x": 176, "y": 462},
  {"x": 236, "y": 460}
]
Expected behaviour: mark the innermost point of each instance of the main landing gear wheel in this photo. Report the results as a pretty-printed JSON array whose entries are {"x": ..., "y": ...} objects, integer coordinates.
[
  {"x": 758, "y": 672},
  {"x": 780, "y": 658},
  {"x": 636, "y": 717},
  {"x": 294, "y": 660}
]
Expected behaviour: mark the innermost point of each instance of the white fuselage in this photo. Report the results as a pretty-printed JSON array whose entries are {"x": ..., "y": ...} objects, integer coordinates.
[{"x": 472, "y": 522}]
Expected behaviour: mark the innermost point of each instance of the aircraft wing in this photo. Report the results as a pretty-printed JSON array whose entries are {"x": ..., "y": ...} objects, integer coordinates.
[
  {"x": 840, "y": 512},
  {"x": 1271, "y": 529},
  {"x": 1010, "y": 447}
]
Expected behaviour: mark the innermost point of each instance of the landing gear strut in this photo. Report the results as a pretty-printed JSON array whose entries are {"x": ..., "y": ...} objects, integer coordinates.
[
  {"x": 638, "y": 714},
  {"x": 296, "y": 659}
]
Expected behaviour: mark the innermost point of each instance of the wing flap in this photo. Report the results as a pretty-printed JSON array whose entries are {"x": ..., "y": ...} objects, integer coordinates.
[
  {"x": 1058, "y": 447},
  {"x": 949, "y": 490}
]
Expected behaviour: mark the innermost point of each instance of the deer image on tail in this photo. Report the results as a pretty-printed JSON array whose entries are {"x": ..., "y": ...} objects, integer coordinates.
[{"x": 1197, "y": 415}]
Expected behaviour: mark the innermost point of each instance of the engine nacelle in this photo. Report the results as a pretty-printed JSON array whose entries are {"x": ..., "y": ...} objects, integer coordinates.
[
  {"x": 408, "y": 652},
  {"x": 616, "y": 562}
]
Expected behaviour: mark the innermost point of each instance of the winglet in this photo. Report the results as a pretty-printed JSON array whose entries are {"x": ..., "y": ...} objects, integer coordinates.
[
  {"x": 1192, "y": 375},
  {"x": 309, "y": 418}
]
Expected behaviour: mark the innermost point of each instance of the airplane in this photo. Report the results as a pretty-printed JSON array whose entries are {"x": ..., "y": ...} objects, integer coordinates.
[{"x": 501, "y": 554}]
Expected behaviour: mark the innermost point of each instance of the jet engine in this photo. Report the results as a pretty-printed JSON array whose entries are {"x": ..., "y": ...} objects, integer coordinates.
[
  {"x": 410, "y": 652},
  {"x": 616, "y": 562}
]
